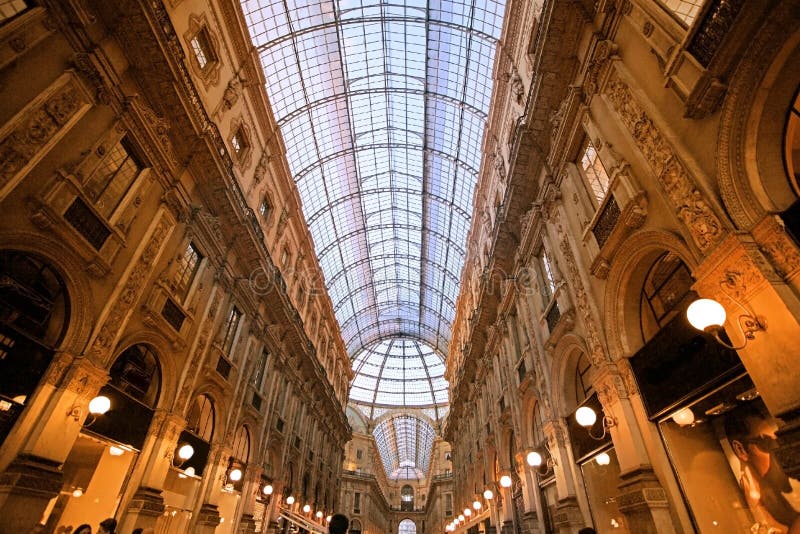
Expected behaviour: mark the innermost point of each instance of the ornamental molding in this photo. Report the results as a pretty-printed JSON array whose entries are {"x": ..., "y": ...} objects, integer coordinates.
[
  {"x": 125, "y": 299},
  {"x": 690, "y": 204},
  {"x": 735, "y": 130}
]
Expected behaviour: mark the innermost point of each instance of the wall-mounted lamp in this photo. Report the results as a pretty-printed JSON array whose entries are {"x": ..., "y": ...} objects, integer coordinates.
[
  {"x": 535, "y": 459},
  {"x": 328, "y": 518},
  {"x": 467, "y": 512},
  {"x": 708, "y": 315},
  {"x": 267, "y": 489},
  {"x": 488, "y": 494},
  {"x": 460, "y": 518},
  {"x": 180, "y": 455},
  {"x": 586, "y": 417},
  {"x": 290, "y": 500},
  {"x": 505, "y": 481},
  {"x": 319, "y": 514},
  {"x": 683, "y": 417},
  {"x": 476, "y": 504},
  {"x": 97, "y": 406},
  {"x": 306, "y": 508}
]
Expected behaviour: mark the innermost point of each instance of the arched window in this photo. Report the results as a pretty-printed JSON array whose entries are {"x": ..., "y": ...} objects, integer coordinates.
[
  {"x": 136, "y": 373},
  {"x": 583, "y": 384},
  {"x": 199, "y": 433},
  {"x": 666, "y": 289},
  {"x": 355, "y": 526},
  {"x": 407, "y": 526},
  {"x": 241, "y": 445},
  {"x": 791, "y": 156},
  {"x": 200, "y": 420},
  {"x": 407, "y": 498},
  {"x": 34, "y": 312},
  {"x": 133, "y": 389}
]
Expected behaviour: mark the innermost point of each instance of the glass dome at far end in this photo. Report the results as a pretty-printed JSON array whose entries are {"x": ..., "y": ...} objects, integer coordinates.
[{"x": 399, "y": 373}]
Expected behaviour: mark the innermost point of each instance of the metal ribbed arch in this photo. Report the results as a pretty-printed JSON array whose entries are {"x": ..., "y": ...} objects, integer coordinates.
[
  {"x": 366, "y": 192},
  {"x": 404, "y": 443},
  {"x": 399, "y": 372},
  {"x": 301, "y": 173},
  {"x": 382, "y": 108}
]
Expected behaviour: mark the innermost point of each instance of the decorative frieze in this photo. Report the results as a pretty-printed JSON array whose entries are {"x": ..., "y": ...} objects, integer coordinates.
[
  {"x": 120, "y": 310},
  {"x": 692, "y": 208},
  {"x": 25, "y": 139},
  {"x": 596, "y": 352}
]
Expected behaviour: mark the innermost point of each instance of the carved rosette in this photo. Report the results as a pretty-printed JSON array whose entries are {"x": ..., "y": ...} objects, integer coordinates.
[
  {"x": 135, "y": 284},
  {"x": 690, "y": 204}
]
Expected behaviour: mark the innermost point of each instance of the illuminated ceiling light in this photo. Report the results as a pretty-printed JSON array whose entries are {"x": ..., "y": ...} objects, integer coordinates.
[
  {"x": 488, "y": 494},
  {"x": 290, "y": 500},
  {"x": 477, "y": 505},
  {"x": 235, "y": 475},
  {"x": 99, "y": 405},
  {"x": 602, "y": 459},
  {"x": 505, "y": 481},
  {"x": 683, "y": 417},
  {"x": 115, "y": 451},
  {"x": 534, "y": 459},
  {"x": 185, "y": 451}
]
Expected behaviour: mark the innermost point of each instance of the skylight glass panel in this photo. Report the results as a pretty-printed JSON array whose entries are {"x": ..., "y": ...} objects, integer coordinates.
[{"x": 382, "y": 107}]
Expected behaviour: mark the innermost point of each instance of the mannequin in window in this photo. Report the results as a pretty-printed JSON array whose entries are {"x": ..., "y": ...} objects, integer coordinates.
[{"x": 773, "y": 498}]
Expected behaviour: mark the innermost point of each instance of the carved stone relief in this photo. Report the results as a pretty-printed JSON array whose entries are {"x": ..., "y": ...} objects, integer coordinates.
[
  {"x": 106, "y": 338},
  {"x": 693, "y": 210}
]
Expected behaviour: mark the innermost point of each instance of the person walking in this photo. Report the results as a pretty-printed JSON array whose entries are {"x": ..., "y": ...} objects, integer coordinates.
[
  {"x": 108, "y": 526},
  {"x": 339, "y": 524}
]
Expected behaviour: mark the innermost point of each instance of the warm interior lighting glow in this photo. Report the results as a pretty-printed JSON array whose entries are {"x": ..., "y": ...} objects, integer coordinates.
[
  {"x": 460, "y": 517},
  {"x": 290, "y": 500},
  {"x": 306, "y": 508},
  {"x": 78, "y": 492},
  {"x": 185, "y": 451},
  {"x": 477, "y": 505},
  {"x": 328, "y": 518},
  {"x": 319, "y": 515},
  {"x": 467, "y": 512},
  {"x": 705, "y": 313},
  {"x": 683, "y": 417},
  {"x": 534, "y": 459},
  {"x": 488, "y": 494},
  {"x": 602, "y": 459},
  {"x": 585, "y": 416},
  {"x": 189, "y": 471},
  {"x": 115, "y": 451},
  {"x": 235, "y": 475},
  {"x": 99, "y": 405},
  {"x": 505, "y": 481},
  {"x": 268, "y": 489}
]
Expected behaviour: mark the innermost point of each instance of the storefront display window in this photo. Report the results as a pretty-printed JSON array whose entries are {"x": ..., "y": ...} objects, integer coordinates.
[
  {"x": 601, "y": 477},
  {"x": 721, "y": 448}
]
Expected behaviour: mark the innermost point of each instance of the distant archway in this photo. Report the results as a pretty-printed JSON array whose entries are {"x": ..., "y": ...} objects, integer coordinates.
[{"x": 407, "y": 526}]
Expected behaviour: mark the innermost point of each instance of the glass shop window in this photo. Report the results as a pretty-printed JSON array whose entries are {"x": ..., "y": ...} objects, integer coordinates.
[
  {"x": 601, "y": 478},
  {"x": 594, "y": 172},
  {"x": 722, "y": 448}
]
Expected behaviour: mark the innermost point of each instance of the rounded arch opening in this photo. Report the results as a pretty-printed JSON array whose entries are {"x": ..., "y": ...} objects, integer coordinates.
[
  {"x": 407, "y": 498},
  {"x": 34, "y": 316},
  {"x": 407, "y": 526}
]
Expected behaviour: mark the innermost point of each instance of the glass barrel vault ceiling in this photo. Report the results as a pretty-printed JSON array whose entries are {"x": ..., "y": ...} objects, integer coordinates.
[{"x": 382, "y": 106}]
